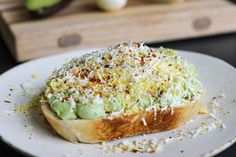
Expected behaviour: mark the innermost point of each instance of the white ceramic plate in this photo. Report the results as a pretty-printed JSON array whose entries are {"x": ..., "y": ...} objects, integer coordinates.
[{"x": 216, "y": 75}]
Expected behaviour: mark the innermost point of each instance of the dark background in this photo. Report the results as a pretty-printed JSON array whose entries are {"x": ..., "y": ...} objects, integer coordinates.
[{"x": 221, "y": 46}]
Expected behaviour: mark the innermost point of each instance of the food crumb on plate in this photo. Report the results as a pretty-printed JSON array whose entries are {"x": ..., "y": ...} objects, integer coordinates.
[
  {"x": 80, "y": 151},
  {"x": 9, "y": 113},
  {"x": 35, "y": 76},
  {"x": 66, "y": 155},
  {"x": 203, "y": 110},
  {"x": 25, "y": 108},
  {"x": 29, "y": 128},
  {"x": 222, "y": 95}
]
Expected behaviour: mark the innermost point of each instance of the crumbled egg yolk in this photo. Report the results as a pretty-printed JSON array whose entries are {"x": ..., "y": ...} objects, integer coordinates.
[{"x": 203, "y": 110}]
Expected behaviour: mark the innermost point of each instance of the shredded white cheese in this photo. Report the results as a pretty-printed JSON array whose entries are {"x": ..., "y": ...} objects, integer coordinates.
[{"x": 144, "y": 122}]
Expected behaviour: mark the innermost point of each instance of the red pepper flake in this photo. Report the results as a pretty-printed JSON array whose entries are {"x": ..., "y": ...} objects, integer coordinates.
[
  {"x": 83, "y": 75},
  {"x": 98, "y": 93},
  {"x": 154, "y": 55},
  {"x": 106, "y": 66},
  {"x": 142, "y": 61},
  {"x": 110, "y": 57},
  {"x": 6, "y": 101},
  {"x": 94, "y": 80},
  {"x": 52, "y": 91},
  {"x": 126, "y": 91},
  {"x": 161, "y": 92},
  {"x": 84, "y": 86},
  {"x": 138, "y": 45},
  {"x": 66, "y": 97}
]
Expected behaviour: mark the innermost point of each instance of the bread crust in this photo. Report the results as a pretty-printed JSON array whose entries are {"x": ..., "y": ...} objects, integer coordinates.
[{"x": 106, "y": 129}]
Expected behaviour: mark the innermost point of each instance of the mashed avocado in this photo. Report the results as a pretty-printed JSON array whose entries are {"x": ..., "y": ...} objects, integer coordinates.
[{"x": 124, "y": 79}]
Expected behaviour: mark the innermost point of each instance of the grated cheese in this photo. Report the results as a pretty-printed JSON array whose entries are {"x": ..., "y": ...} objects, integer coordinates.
[
  {"x": 144, "y": 122},
  {"x": 131, "y": 74}
]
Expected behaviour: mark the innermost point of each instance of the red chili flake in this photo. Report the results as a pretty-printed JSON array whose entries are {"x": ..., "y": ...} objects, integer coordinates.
[
  {"x": 96, "y": 81},
  {"x": 108, "y": 77},
  {"x": 106, "y": 66},
  {"x": 142, "y": 61},
  {"x": 126, "y": 91},
  {"x": 66, "y": 97},
  {"x": 83, "y": 75},
  {"x": 161, "y": 92},
  {"x": 110, "y": 57},
  {"x": 84, "y": 86},
  {"x": 6, "y": 101},
  {"x": 52, "y": 91},
  {"x": 138, "y": 45},
  {"x": 154, "y": 55},
  {"x": 99, "y": 93}
]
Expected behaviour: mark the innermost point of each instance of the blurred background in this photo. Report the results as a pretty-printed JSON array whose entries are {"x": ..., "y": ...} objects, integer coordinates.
[{"x": 31, "y": 29}]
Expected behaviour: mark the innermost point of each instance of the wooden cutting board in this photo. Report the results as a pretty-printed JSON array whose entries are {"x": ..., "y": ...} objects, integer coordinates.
[{"x": 82, "y": 25}]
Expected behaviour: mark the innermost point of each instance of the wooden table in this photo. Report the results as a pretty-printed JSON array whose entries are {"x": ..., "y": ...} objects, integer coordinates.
[{"x": 223, "y": 46}]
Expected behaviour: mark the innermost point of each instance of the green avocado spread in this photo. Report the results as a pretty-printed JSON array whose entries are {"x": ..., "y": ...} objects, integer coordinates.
[{"x": 124, "y": 79}]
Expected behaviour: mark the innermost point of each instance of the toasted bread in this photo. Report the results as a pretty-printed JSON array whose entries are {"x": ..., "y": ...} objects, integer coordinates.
[{"x": 106, "y": 129}]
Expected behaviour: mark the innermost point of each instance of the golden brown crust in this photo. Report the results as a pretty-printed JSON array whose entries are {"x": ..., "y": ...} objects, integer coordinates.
[{"x": 105, "y": 129}]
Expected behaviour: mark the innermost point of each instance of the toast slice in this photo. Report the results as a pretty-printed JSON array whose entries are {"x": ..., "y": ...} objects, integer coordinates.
[{"x": 106, "y": 129}]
